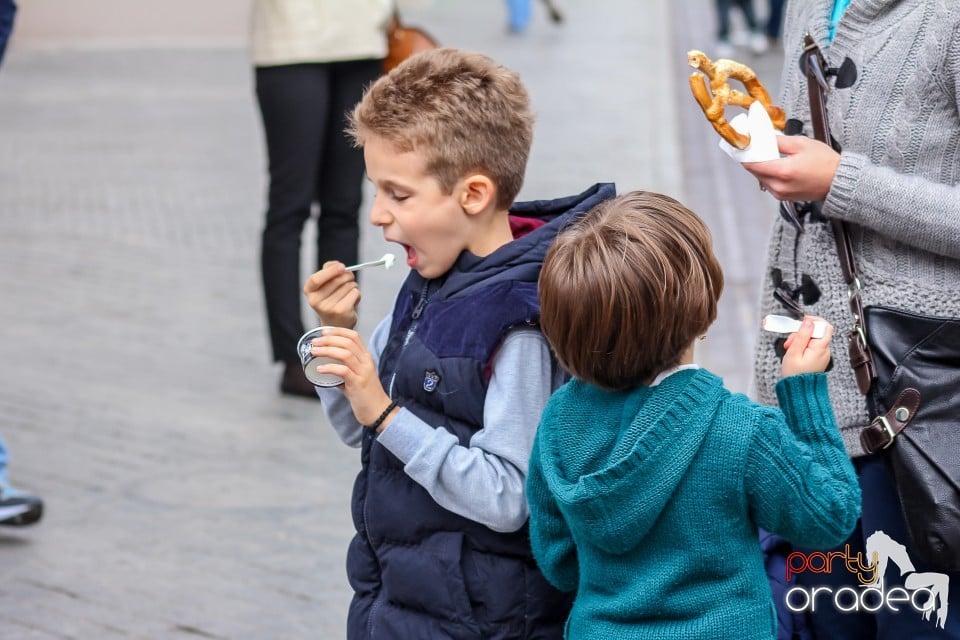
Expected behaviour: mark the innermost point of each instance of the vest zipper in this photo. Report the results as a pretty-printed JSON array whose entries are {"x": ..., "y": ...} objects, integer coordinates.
[
  {"x": 421, "y": 303},
  {"x": 417, "y": 312}
]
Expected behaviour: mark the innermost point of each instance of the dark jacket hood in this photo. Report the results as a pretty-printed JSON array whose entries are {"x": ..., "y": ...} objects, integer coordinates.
[{"x": 521, "y": 259}]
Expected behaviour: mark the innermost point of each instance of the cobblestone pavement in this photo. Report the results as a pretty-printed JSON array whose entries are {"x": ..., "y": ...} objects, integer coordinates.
[{"x": 185, "y": 497}]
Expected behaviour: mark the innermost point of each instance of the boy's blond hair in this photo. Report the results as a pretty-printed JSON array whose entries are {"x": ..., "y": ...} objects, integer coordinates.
[
  {"x": 625, "y": 290},
  {"x": 461, "y": 110}
]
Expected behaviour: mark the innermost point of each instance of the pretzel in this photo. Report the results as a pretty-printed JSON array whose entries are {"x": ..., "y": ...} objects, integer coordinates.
[{"x": 718, "y": 72}]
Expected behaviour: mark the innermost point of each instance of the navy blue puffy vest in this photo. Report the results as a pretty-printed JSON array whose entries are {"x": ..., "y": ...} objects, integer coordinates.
[{"x": 418, "y": 570}]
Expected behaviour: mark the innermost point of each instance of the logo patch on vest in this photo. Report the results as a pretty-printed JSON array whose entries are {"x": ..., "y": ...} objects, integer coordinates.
[{"x": 430, "y": 380}]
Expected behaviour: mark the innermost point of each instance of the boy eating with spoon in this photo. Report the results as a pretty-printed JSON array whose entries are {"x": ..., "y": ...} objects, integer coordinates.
[{"x": 445, "y": 401}]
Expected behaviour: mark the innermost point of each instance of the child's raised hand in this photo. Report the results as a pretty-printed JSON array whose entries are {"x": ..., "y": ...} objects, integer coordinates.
[
  {"x": 361, "y": 383},
  {"x": 333, "y": 294},
  {"x": 806, "y": 354}
]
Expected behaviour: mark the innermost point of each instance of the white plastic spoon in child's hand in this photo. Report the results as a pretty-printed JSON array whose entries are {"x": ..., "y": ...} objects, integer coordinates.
[
  {"x": 387, "y": 261},
  {"x": 783, "y": 324}
]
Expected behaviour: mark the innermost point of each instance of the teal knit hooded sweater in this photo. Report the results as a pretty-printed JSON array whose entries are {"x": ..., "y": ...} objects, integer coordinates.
[{"x": 646, "y": 502}]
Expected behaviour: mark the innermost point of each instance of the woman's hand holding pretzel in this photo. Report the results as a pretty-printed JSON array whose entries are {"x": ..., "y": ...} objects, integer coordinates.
[
  {"x": 355, "y": 364},
  {"x": 713, "y": 94},
  {"x": 805, "y": 174}
]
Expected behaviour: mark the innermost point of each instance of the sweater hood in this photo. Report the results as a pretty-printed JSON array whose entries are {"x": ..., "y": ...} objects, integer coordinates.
[
  {"x": 615, "y": 459},
  {"x": 538, "y": 223}
]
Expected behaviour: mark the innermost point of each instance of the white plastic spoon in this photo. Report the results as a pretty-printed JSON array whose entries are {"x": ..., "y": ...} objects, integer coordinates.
[
  {"x": 387, "y": 261},
  {"x": 783, "y": 324}
]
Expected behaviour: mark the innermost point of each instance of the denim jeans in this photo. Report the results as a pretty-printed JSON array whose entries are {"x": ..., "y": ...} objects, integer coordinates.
[
  {"x": 7, "y": 9},
  {"x": 520, "y": 13},
  {"x": 774, "y": 19},
  {"x": 723, "y": 16},
  {"x": 3, "y": 464}
]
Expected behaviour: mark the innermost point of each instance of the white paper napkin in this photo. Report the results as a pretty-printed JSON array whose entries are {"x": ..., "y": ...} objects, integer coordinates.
[{"x": 763, "y": 137}]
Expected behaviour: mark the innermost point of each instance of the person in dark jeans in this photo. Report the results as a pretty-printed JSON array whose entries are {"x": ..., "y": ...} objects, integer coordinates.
[
  {"x": 757, "y": 40},
  {"x": 774, "y": 19},
  {"x": 312, "y": 63},
  {"x": 7, "y": 10},
  {"x": 16, "y": 507},
  {"x": 311, "y": 160}
]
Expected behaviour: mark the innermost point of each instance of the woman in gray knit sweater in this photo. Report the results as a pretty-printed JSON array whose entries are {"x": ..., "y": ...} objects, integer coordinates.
[{"x": 897, "y": 185}]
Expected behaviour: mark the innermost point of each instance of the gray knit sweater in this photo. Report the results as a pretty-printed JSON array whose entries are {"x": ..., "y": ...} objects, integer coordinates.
[{"x": 897, "y": 184}]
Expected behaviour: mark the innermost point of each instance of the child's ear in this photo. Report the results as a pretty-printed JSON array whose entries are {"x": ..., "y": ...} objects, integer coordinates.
[{"x": 478, "y": 194}]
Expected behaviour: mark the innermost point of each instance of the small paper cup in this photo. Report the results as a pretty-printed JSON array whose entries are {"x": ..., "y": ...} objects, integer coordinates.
[{"x": 311, "y": 362}]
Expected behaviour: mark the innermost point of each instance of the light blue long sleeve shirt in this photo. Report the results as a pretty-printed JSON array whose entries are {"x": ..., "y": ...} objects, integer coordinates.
[{"x": 485, "y": 480}]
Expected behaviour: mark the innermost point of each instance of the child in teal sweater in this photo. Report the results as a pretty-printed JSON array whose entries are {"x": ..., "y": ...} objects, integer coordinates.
[{"x": 648, "y": 479}]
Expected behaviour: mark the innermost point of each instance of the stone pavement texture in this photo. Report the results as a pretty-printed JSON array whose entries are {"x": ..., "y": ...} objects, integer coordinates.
[{"x": 185, "y": 497}]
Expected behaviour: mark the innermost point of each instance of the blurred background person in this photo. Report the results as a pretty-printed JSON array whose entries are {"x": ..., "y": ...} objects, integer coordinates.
[
  {"x": 7, "y": 10},
  {"x": 312, "y": 62},
  {"x": 519, "y": 13},
  {"x": 16, "y": 508},
  {"x": 755, "y": 39},
  {"x": 774, "y": 19}
]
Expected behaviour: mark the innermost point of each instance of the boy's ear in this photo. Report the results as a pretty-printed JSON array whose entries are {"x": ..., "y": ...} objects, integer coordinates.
[{"x": 478, "y": 193}]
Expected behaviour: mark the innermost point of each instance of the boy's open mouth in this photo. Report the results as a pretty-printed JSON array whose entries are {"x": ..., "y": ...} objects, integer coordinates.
[{"x": 411, "y": 256}]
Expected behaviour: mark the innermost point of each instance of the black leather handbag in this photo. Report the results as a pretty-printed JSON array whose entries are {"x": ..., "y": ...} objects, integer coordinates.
[
  {"x": 915, "y": 398},
  {"x": 908, "y": 367}
]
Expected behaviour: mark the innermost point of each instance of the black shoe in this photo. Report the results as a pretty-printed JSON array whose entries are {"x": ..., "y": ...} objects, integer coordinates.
[
  {"x": 294, "y": 383},
  {"x": 18, "y": 509}
]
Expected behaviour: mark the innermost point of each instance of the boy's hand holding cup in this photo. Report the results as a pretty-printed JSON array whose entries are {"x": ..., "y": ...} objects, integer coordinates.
[
  {"x": 344, "y": 355},
  {"x": 334, "y": 295},
  {"x": 806, "y": 354}
]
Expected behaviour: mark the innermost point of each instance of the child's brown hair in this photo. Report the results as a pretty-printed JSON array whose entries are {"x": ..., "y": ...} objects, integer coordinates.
[
  {"x": 625, "y": 290},
  {"x": 462, "y": 110}
]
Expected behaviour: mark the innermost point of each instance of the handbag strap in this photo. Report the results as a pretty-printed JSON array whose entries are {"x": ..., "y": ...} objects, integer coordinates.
[
  {"x": 882, "y": 430},
  {"x": 861, "y": 360}
]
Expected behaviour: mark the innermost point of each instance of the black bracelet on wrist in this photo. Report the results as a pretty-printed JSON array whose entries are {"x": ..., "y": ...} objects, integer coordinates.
[{"x": 383, "y": 416}]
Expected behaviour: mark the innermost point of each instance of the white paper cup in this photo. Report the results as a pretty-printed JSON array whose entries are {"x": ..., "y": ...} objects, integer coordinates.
[{"x": 310, "y": 362}]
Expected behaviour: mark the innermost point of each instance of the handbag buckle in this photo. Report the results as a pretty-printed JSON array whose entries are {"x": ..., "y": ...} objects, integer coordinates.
[
  {"x": 878, "y": 429},
  {"x": 854, "y": 287},
  {"x": 888, "y": 430},
  {"x": 856, "y": 331}
]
